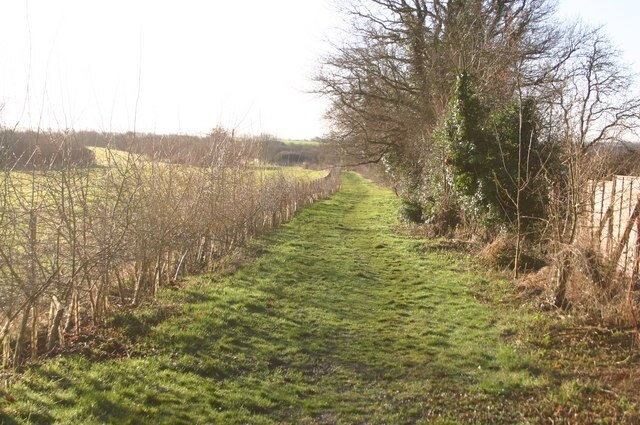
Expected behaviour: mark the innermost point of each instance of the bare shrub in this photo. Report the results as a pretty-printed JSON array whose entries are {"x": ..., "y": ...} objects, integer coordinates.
[
  {"x": 500, "y": 254},
  {"x": 604, "y": 299},
  {"x": 77, "y": 242}
]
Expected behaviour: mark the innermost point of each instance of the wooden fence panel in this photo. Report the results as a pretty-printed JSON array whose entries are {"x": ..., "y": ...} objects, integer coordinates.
[
  {"x": 610, "y": 211},
  {"x": 633, "y": 245}
]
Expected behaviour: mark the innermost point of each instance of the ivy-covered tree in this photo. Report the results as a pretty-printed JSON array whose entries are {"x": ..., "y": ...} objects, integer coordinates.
[
  {"x": 495, "y": 156},
  {"x": 389, "y": 83}
]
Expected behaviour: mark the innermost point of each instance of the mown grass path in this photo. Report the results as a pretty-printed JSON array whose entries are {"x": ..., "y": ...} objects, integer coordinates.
[{"x": 339, "y": 319}]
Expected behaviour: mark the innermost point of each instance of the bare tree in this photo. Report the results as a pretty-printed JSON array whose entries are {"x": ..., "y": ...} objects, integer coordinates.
[
  {"x": 390, "y": 84},
  {"x": 593, "y": 105}
]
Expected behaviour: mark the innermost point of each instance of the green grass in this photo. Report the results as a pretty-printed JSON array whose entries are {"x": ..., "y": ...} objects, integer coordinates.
[
  {"x": 304, "y": 174},
  {"x": 300, "y": 142},
  {"x": 339, "y": 318},
  {"x": 105, "y": 157}
]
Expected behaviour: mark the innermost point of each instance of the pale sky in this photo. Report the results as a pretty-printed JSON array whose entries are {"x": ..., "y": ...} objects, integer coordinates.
[
  {"x": 242, "y": 64},
  {"x": 619, "y": 18},
  {"x": 189, "y": 65}
]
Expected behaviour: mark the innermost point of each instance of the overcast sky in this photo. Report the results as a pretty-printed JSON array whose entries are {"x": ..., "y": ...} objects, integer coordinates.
[{"x": 190, "y": 65}]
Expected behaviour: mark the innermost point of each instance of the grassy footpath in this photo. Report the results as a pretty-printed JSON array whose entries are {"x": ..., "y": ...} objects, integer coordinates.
[{"x": 339, "y": 319}]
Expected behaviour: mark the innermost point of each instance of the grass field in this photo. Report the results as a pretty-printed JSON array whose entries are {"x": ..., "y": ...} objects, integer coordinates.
[
  {"x": 336, "y": 318},
  {"x": 105, "y": 158},
  {"x": 297, "y": 173},
  {"x": 300, "y": 142},
  {"x": 23, "y": 182}
]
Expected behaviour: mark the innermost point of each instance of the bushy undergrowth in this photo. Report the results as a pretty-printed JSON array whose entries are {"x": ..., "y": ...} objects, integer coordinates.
[
  {"x": 501, "y": 252},
  {"x": 411, "y": 212}
]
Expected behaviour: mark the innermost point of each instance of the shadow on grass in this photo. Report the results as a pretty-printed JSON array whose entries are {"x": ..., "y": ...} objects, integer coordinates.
[{"x": 322, "y": 326}]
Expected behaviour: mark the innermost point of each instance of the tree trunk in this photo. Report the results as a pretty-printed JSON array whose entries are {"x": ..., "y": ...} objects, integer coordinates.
[
  {"x": 17, "y": 352},
  {"x": 54, "y": 331},
  {"x": 562, "y": 281},
  {"x": 34, "y": 333}
]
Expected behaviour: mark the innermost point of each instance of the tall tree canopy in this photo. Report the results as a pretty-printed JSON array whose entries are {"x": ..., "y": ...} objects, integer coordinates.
[{"x": 394, "y": 92}]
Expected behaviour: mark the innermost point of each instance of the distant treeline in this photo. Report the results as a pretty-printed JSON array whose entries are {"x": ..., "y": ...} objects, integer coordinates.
[
  {"x": 36, "y": 150},
  {"x": 177, "y": 149},
  {"x": 275, "y": 151},
  {"x": 625, "y": 159}
]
